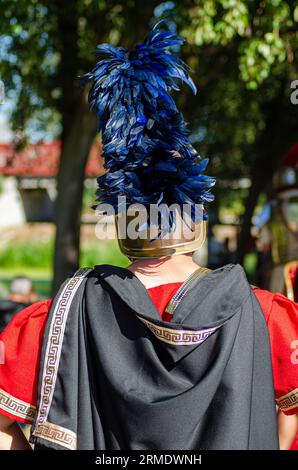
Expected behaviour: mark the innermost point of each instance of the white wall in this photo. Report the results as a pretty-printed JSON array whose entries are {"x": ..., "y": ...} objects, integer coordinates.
[{"x": 11, "y": 207}]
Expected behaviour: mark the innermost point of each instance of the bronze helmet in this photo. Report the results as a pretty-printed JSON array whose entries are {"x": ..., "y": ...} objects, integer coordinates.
[{"x": 185, "y": 238}]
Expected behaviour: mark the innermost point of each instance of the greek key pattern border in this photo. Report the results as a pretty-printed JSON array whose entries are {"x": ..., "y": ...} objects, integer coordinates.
[
  {"x": 178, "y": 337},
  {"x": 289, "y": 401},
  {"x": 57, "y": 434},
  {"x": 16, "y": 407},
  {"x": 54, "y": 344}
]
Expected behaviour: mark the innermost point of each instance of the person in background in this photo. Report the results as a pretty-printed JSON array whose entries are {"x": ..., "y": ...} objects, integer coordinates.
[
  {"x": 277, "y": 245},
  {"x": 21, "y": 296},
  {"x": 217, "y": 252}
]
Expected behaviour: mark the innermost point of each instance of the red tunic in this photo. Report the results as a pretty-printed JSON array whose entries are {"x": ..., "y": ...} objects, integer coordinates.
[{"x": 22, "y": 341}]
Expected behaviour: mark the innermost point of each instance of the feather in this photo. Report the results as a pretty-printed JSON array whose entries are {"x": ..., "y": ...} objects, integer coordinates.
[{"x": 146, "y": 148}]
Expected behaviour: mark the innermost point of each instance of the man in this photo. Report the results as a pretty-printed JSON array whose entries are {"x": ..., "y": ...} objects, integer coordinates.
[
  {"x": 278, "y": 238},
  {"x": 163, "y": 354}
]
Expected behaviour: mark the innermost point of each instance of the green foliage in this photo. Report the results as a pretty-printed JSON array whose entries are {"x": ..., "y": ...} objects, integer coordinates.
[
  {"x": 258, "y": 30},
  {"x": 24, "y": 255},
  {"x": 217, "y": 22},
  {"x": 250, "y": 266},
  {"x": 244, "y": 55},
  {"x": 241, "y": 52},
  {"x": 89, "y": 195},
  {"x": 39, "y": 256},
  {"x": 258, "y": 57},
  {"x": 39, "y": 75},
  {"x": 35, "y": 261},
  {"x": 102, "y": 252}
]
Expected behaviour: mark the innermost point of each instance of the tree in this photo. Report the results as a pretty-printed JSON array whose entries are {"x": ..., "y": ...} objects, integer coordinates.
[
  {"x": 245, "y": 57},
  {"x": 47, "y": 45}
]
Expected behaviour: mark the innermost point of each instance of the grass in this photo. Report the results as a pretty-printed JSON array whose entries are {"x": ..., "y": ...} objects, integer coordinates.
[
  {"x": 27, "y": 255},
  {"x": 35, "y": 261},
  {"x": 102, "y": 252},
  {"x": 38, "y": 257},
  {"x": 250, "y": 264}
]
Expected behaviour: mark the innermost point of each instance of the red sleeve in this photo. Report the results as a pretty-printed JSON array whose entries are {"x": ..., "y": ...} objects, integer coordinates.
[
  {"x": 19, "y": 365},
  {"x": 282, "y": 319}
]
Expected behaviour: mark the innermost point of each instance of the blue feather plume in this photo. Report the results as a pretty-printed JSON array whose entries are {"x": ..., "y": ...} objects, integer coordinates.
[{"x": 146, "y": 148}]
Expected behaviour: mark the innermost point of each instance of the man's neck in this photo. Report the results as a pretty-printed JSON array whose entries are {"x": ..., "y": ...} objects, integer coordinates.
[{"x": 164, "y": 270}]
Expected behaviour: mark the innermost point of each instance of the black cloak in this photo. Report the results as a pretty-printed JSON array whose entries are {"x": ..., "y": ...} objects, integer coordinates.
[{"x": 115, "y": 376}]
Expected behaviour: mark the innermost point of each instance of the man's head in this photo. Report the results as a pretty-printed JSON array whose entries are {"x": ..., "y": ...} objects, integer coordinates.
[{"x": 21, "y": 290}]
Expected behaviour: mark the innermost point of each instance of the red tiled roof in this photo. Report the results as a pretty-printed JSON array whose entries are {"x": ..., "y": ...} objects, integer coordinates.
[{"x": 42, "y": 160}]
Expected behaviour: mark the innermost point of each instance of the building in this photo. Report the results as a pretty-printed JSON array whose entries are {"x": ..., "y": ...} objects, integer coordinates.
[{"x": 28, "y": 180}]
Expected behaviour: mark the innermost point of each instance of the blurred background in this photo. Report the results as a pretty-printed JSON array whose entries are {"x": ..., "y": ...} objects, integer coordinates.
[{"x": 244, "y": 56}]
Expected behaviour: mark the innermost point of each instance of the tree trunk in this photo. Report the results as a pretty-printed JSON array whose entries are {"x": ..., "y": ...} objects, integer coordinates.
[
  {"x": 74, "y": 155},
  {"x": 79, "y": 127}
]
